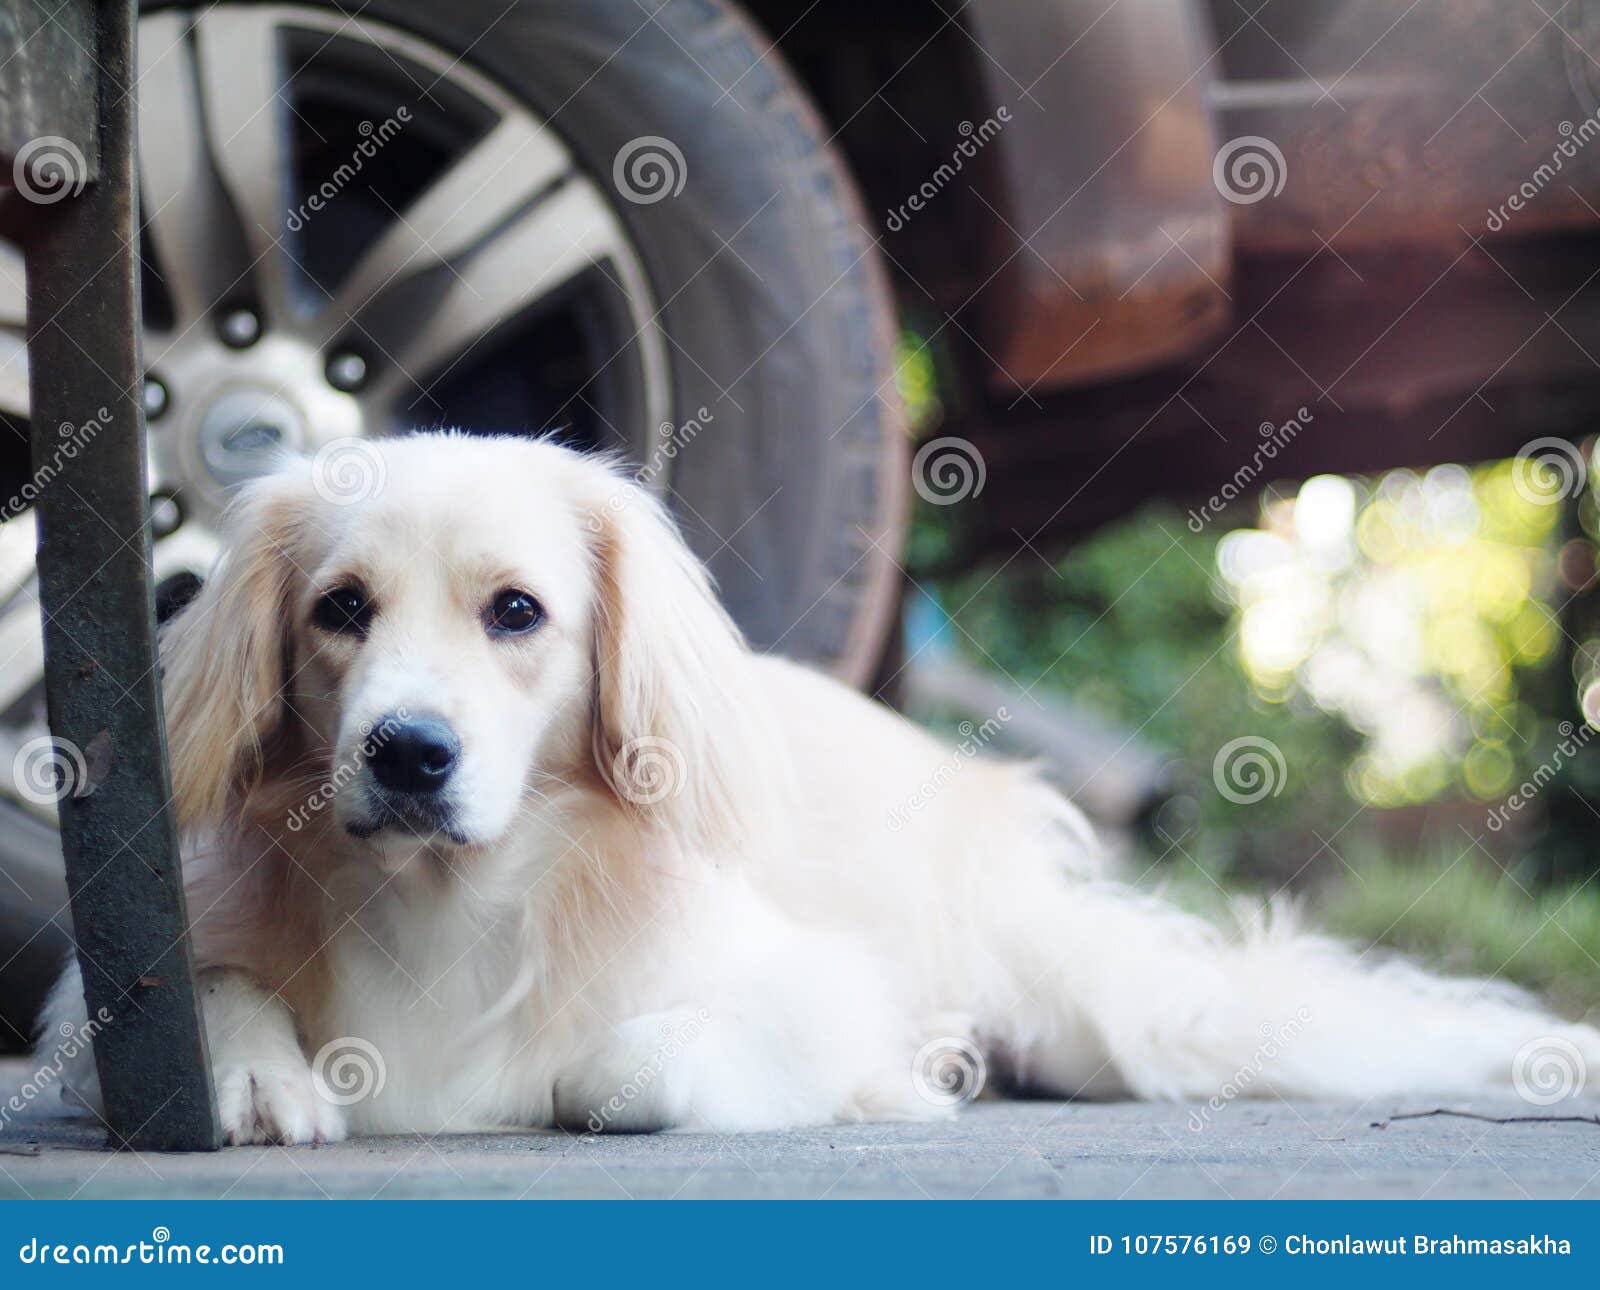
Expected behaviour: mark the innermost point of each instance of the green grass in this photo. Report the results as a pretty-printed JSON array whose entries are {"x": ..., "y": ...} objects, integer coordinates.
[
  {"x": 1469, "y": 918},
  {"x": 1461, "y": 916}
]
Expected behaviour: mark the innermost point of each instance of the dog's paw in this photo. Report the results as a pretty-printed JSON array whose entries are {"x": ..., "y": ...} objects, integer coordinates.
[{"x": 274, "y": 1102}]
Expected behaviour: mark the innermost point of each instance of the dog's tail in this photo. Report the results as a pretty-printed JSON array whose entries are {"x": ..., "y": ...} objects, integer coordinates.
[{"x": 1149, "y": 1000}]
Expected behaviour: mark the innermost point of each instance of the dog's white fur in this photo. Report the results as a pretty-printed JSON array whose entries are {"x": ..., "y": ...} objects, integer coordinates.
[{"x": 767, "y": 936}]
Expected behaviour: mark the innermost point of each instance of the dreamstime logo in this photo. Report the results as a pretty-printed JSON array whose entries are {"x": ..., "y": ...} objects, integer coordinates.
[
  {"x": 948, "y": 1072},
  {"x": 348, "y": 1070},
  {"x": 70, "y": 441},
  {"x": 648, "y": 169},
  {"x": 1274, "y": 439},
  {"x": 973, "y": 740},
  {"x": 675, "y": 1037},
  {"x": 648, "y": 770},
  {"x": 1573, "y": 739},
  {"x": 48, "y": 169},
  {"x": 1549, "y": 470},
  {"x": 48, "y": 770},
  {"x": 75, "y": 1039},
  {"x": 347, "y": 471},
  {"x": 160, "y": 1249},
  {"x": 373, "y": 138},
  {"x": 973, "y": 137},
  {"x": 1248, "y": 169},
  {"x": 1274, "y": 1039},
  {"x": 1573, "y": 138},
  {"x": 372, "y": 739},
  {"x": 672, "y": 441},
  {"x": 1548, "y": 1070},
  {"x": 1248, "y": 769},
  {"x": 948, "y": 470}
]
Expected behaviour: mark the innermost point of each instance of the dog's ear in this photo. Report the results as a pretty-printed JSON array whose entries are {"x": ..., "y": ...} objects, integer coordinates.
[
  {"x": 225, "y": 658},
  {"x": 677, "y": 728}
]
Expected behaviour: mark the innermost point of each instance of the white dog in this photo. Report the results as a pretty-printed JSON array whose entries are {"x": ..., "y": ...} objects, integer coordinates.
[{"x": 486, "y": 797}]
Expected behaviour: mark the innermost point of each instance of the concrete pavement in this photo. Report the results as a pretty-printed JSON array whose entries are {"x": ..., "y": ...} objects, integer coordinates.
[{"x": 992, "y": 1150}]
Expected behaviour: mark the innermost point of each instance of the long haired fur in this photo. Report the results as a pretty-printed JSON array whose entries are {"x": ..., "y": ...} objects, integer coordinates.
[
  {"x": 680, "y": 884},
  {"x": 225, "y": 660}
]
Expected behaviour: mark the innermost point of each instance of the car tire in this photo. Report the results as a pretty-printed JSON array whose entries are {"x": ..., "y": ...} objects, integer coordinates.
[
  {"x": 779, "y": 320},
  {"x": 773, "y": 296}
]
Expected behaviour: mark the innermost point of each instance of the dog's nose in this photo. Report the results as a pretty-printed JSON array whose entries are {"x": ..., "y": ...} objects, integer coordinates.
[{"x": 414, "y": 754}]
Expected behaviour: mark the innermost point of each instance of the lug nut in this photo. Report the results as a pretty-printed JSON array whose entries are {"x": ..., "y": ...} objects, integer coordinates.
[
  {"x": 155, "y": 398},
  {"x": 240, "y": 328},
  {"x": 347, "y": 372},
  {"x": 174, "y": 592},
  {"x": 165, "y": 514}
]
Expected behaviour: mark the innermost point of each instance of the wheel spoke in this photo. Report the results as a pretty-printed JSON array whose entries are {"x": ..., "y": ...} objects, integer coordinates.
[
  {"x": 21, "y": 650},
  {"x": 199, "y": 245},
  {"x": 13, "y": 288},
  {"x": 242, "y": 79},
  {"x": 192, "y": 549},
  {"x": 499, "y": 233},
  {"x": 13, "y": 322},
  {"x": 522, "y": 262},
  {"x": 21, "y": 633},
  {"x": 13, "y": 373},
  {"x": 512, "y": 164}
]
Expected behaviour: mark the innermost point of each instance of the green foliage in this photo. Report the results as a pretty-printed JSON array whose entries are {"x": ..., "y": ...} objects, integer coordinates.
[
  {"x": 1455, "y": 911},
  {"x": 916, "y": 380},
  {"x": 1407, "y": 641},
  {"x": 1463, "y": 914},
  {"x": 1393, "y": 642},
  {"x": 1134, "y": 624}
]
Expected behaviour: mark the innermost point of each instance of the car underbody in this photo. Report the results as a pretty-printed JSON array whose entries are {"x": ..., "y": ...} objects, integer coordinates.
[{"x": 1116, "y": 327}]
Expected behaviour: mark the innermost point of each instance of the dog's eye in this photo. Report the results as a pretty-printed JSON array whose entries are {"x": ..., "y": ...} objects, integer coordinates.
[
  {"x": 344, "y": 610},
  {"x": 514, "y": 611}
]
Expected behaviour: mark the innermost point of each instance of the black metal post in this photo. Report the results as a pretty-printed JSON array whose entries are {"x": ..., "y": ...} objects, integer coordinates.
[{"x": 102, "y": 684}]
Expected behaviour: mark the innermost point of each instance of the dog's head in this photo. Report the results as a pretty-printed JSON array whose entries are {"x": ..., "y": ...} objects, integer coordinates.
[{"x": 442, "y": 632}]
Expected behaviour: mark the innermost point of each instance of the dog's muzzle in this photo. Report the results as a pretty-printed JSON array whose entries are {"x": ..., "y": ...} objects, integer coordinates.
[{"x": 410, "y": 766}]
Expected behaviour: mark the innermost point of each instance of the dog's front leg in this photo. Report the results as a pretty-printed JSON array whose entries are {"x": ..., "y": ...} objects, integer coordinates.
[
  {"x": 636, "y": 1079},
  {"x": 265, "y": 1092},
  {"x": 264, "y": 1088}
]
